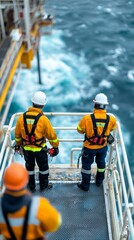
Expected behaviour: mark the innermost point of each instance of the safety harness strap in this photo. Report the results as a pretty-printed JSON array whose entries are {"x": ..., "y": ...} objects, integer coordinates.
[
  {"x": 106, "y": 125},
  {"x": 31, "y": 134},
  {"x": 98, "y": 139},
  {"x": 25, "y": 224},
  {"x": 94, "y": 120},
  {"x": 94, "y": 124},
  {"x": 35, "y": 122}
]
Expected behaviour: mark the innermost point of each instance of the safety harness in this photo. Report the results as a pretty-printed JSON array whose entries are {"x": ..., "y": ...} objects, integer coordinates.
[
  {"x": 25, "y": 224},
  {"x": 30, "y": 136},
  {"x": 98, "y": 139}
]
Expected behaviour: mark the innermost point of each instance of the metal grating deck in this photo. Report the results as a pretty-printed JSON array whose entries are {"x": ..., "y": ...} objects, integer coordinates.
[{"x": 83, "y": 213}]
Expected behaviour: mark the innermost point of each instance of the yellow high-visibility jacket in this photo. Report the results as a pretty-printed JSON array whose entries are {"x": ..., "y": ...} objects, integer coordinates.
[
  {"x": 85, "y": 126},
  {"x": 43, "y": 217},
  {"x": 43, "y": 129}
]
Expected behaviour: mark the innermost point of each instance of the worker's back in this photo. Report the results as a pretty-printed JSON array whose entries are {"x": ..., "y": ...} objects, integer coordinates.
[{"x": 23, "y": 216}]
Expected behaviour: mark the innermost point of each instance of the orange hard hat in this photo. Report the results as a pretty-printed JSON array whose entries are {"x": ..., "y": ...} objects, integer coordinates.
[{"x": 15, "y": 177}]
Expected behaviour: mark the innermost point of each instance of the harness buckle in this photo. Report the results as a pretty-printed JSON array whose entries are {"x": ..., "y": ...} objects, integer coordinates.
[
  {"x": 32, "y": 139},
  {"x": 27, "y": 140}
]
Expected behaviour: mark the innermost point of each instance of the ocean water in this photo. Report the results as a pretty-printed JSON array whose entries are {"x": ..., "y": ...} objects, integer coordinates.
[{"x": 91, "y": 50}]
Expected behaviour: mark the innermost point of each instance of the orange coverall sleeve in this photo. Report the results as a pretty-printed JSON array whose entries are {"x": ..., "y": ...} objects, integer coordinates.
[
  {"x": 113, "y": 123},
  {"x": 18, "y": 135},
  {"x": 48, "y": 216},
  {"x": 81, "y": 127},
  {"x": 50, "y": 133}
]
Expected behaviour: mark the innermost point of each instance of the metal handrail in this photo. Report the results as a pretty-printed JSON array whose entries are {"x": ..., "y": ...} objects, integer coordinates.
[
  {"x": 122, "y": 201},
  {"x": 117, "y": 197}
]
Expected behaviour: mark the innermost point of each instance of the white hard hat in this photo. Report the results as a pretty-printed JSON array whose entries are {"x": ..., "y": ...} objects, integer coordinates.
[
  {"x": 101, "y": 99},
  {"x": 39, "y": 98}
]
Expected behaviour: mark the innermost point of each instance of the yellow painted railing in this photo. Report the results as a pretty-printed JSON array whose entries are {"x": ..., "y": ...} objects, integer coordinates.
[{"x": 10, "y": 76}]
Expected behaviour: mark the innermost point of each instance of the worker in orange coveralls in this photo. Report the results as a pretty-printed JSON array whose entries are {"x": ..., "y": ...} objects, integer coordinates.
[{"x": 23, "y": 216}]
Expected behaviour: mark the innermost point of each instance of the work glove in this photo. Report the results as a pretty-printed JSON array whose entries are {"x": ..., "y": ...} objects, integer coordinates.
[
  {"x": 17, "y": 148},
  {"x": 53, "y": 152},
  {"x": 110, "y": 139}
]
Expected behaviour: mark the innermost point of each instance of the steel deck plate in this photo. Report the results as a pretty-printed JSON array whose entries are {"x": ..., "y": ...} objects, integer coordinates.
[{"x": 83, "y": 213}]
